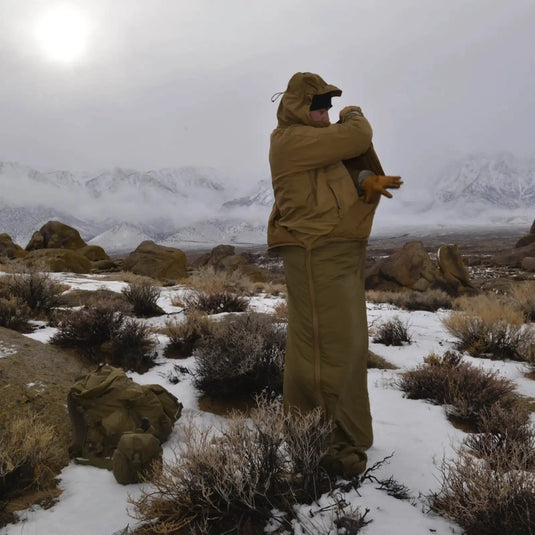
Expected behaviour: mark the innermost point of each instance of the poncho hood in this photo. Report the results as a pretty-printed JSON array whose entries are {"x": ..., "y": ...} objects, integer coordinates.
[{"x": 295, "y": 104}]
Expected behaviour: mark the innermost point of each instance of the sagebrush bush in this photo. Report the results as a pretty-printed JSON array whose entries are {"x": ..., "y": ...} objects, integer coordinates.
[
  {"x": 103, "y": 334},
  {"x": 132, "y": 346},
  {"x": 430, "y": 300},
  {"x": 504, "y": 434},
  {"x": 495, "y": 339},
  {"x": 231, "y": 482},
  {"x": 241, "y": 356},
  {"x": 468, "y": 392},
  {"x": 37, "y": 289},
  {"x": 216, "y": 302},
  {"x": 15, "y": 314},
  {"x": 184, "y": 335},
  {"x": 30, "y": 455},
  {"x": 88, "y": 328},
  {"x": 392, "y": 333},
  {"x": 487, "y": 501},
  {"x": 144, "y": 298}
]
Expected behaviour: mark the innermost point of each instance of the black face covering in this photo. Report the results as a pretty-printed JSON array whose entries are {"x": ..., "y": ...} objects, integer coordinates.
[{"x": 321, "y": 102}]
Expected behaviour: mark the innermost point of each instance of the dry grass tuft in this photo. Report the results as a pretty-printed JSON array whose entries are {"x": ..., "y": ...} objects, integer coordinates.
[
  {"x": 144, "y": 299},
  {"x": 376, "y": 361},
  {"x": 522, "y": 296},
  {"x": 280, "y": 311},
  {"x": 208, "y": 280},
  {"x": 231, "y": 482},
  {"x": 392, "y": 333},
  {"x": 468, "y": 392},
  {"x": 30, "y": 455},
  {"x": 431, "y": 300},
  {"x": 15, "y": 314},
  {"x": 184, "y": 335},
  {"x": 215, "y": 303}
]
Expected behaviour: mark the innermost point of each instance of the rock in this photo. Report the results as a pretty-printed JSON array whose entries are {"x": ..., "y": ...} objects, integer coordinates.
[
  {"x": 9, "y": 249},
  {"x": 451, "y": 265},
  {"x": 532, "y": 229},
  {"x": 528, "y": 239},
  {"x": 55, "y": 235},
  {"x": 528, "y": 263},
  {"x": 215, "y": 256},
  {"x": 409, "y": 267},
  {"x": 95, "y": 253},
  {"x": 156, "y": 261},
  {"x": 58, "y": 260},
  {"x": 515, "y": 256}
]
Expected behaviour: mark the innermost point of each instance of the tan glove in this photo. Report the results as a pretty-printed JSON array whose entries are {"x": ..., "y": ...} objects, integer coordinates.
[
  {"x": 375, "y": 185},
  {"x": 347, "y": 109}
]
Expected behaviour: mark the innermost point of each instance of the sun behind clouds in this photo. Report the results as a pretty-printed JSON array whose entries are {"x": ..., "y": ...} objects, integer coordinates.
[{"x": 62, "y": 32}]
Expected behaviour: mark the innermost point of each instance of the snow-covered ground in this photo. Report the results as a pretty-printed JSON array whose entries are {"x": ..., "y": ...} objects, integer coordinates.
[{"x": 416, "y": 434}]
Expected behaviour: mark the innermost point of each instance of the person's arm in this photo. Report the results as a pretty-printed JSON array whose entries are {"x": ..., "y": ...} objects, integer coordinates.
[{"x": 308, "y": 147}]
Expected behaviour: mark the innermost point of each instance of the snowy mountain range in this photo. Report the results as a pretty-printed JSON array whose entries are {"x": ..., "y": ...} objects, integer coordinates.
[{"x": 192, "y": 207}]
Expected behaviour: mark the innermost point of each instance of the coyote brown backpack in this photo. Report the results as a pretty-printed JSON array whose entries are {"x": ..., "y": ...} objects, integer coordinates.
[
  {"x": 134, "y": 456},
  {"x": 106, "y": 403}
]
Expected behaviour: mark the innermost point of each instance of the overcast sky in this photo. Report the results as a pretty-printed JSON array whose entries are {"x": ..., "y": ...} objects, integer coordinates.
[{"x": 169, "y": 83}]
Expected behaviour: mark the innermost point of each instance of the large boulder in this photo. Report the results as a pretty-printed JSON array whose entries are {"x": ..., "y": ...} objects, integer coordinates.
[
  {"x": 215, "y": 257},
  {"x": 411, "y": 267},
  {"x": 408, "y": 267},
  {"x": 9, "y": 249},
  {"x": 528, "y": 239},
  {"x": 528, "y": 263},
  {"x": 55, "y": 235},
  {"x": 514, "y": 257},
  {"x": 451, "y": 265},
  {"x": 58, "y": 260},
  {"x": 156, "y": 261},
  {"x": 94, "y": 253}
]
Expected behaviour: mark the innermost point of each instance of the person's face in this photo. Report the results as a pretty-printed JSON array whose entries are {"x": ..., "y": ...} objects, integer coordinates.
[{"x": 321, "y": 116}]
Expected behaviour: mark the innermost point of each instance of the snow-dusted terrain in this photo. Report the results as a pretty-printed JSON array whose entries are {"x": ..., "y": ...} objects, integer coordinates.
[
  {"x": 201, "y": 207},
  {"x": 417, "y": 433}
]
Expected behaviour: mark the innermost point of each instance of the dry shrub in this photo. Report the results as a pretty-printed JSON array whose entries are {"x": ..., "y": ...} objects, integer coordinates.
[
  {"x": 144, "y": 299},
  {"x": 184, "y": 335},
  {"x": 468, "y": 392},
  {"x": 490, "y": 308},
  {"x": 132, "y": 346},
  {"x": 208, "y": 280},
  {"x": 36, "y": 289},
  {"x": 431, "y": 300},
  {"x": 77, "y": 297},
  {"x": 522, "y": 296},
  {"x": 270, "y": 288},
  {"x": 392, "y": 333},
  {"x": 280, "y": 311},
  {"x": 504, "y": 434},
  {"x": 491, "y": 336},
  {"x": 215, "y": 303},
  {"x": 30, "y": 455},
  {"x": 487, "y": 501},
  {"x": 102, "y": 333},
  {"x": 232, "y": 481},
  {"x": 241, "y": 356},
  {"x": 15, "y": 314}
]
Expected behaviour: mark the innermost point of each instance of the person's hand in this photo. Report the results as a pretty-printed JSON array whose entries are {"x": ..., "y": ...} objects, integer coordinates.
[
  {"x": 376, "y": 185},
  {"x": 348, "y": 109}
]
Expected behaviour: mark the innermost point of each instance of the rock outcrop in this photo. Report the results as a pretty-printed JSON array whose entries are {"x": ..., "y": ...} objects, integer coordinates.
[
  {"x": 528, "y": 239},
  {"x": 156, "y": 261},
  {"x": 9, "y": 249},
  {"x": 55, "y": 235},
  {"x": 411, "y": 267}
]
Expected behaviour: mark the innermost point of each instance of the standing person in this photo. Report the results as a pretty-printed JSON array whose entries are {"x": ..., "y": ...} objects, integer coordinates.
[{"x": 320, "y": 224}]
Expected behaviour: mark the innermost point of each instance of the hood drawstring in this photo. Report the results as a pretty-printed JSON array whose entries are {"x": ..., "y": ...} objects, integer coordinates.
[{"x": 276, "y": 96}]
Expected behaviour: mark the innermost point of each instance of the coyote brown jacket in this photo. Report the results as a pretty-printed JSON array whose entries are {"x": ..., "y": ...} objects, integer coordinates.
[{"x": 316, "y": 200}]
